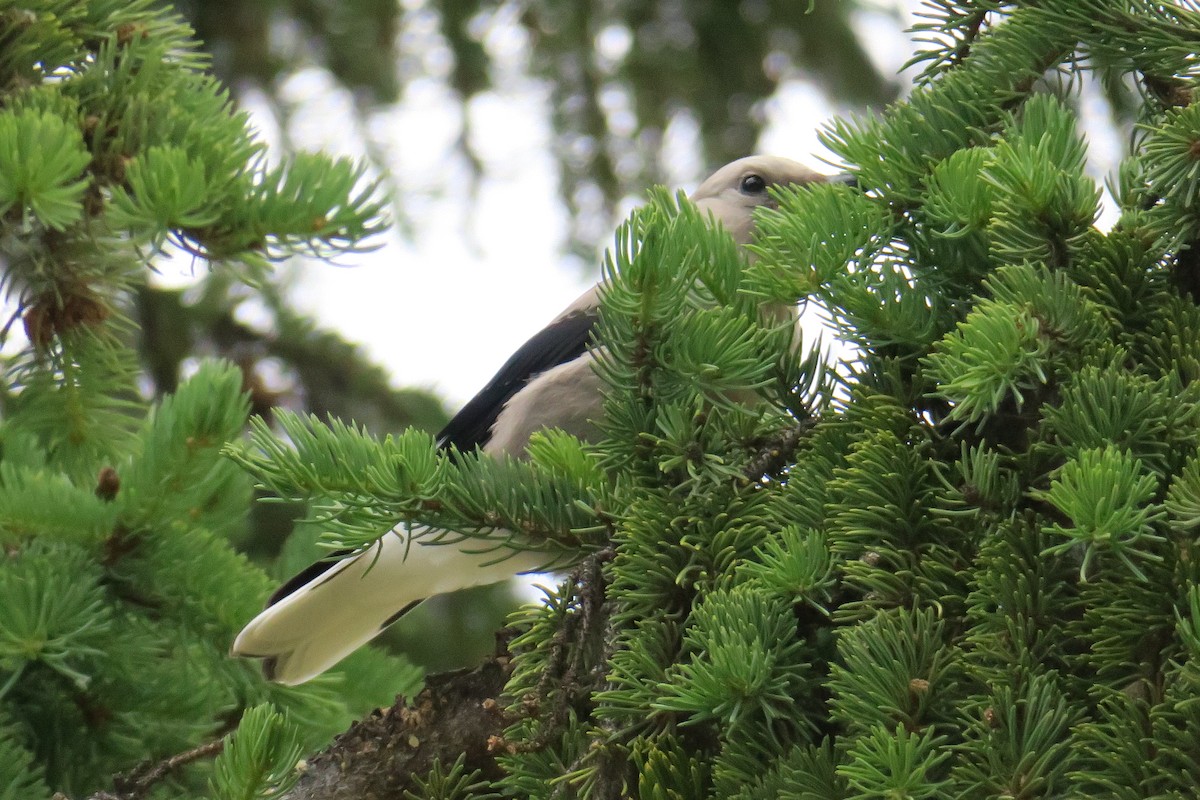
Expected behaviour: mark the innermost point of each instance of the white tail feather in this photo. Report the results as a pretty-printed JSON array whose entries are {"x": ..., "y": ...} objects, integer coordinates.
[{"x": 320, "y": 623}]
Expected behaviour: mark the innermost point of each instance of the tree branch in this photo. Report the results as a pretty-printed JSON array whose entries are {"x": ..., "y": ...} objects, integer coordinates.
[
  {"x": 777, "y": 452},
  {"x": 456, "y": 714},
  {"x": 138, "y": 782}
]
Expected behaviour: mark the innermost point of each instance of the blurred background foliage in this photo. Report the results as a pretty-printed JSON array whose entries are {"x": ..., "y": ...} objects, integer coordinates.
[
  {"x": 619, "y": 71},
  {"x": 618, "y": 76}
]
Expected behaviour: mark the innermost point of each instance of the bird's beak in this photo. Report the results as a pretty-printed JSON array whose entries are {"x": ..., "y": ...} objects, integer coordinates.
[{"x": 846, "y": 179}]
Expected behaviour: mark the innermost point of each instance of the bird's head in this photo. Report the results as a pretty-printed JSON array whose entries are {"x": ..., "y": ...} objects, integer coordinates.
[{"x": 736, "y": 189}]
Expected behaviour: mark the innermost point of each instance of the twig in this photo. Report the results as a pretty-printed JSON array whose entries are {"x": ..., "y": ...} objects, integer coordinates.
[
  {"x": 138, "y": 782},
  {"x": 964, "y": 48},
  {"x": 778, "y": 451}
]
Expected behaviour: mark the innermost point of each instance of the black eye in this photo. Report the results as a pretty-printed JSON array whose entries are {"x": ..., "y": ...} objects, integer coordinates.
[{"x": 753, "y": 184}]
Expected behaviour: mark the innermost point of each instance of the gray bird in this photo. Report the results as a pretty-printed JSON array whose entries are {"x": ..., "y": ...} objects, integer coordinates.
[{"x": 332, "y": 608}]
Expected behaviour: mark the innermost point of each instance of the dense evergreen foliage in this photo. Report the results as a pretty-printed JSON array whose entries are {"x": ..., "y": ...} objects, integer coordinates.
[
  {"x": 963, "y": 564},
  {"x": 120, "y": 586}
]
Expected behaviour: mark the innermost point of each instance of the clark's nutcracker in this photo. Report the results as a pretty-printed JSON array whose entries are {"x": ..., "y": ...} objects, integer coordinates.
[{"x": 330, "y": 609}]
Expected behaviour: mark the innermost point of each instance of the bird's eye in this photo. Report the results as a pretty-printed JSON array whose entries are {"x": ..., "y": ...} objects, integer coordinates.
[{"x": 753, "y": 184}]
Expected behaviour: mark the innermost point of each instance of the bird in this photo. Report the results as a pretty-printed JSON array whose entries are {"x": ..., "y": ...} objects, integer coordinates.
[{"x": 333, "y": 607}]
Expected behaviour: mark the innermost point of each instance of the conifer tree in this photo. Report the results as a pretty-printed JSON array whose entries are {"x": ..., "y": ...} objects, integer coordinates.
[
  {"x": 120, "y": 583},
  {"x": 962, "y": 565}
]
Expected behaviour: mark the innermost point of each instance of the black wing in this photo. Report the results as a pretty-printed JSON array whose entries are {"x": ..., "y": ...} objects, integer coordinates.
[
  {"x": 558, "y": 343},
  {"x": 307, "y": 575},
  {"x": 563, "y": 340}
]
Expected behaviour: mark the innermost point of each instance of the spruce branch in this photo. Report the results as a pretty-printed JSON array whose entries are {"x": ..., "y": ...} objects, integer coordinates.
[
  {"x": 951, "y": 29},
  {"x": 575, "y": 664},
  {"x": 777, "y": 452}
]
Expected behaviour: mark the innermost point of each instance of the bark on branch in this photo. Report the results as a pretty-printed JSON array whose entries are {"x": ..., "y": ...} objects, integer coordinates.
[{"x": 457, "y": 713}]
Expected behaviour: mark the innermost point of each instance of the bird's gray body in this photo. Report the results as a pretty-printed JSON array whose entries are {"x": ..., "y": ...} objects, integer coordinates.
[{"x": 328, "y": 611}]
